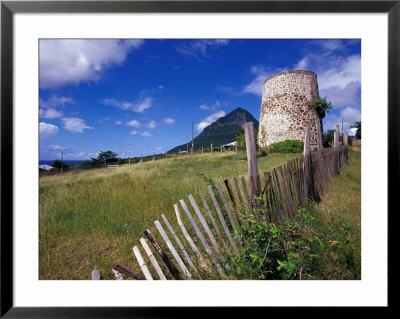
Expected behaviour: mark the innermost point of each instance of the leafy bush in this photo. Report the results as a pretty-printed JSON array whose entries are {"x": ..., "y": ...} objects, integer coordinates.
[
  {"x": 303, "y": 248},
  {"x": 287, "y": 146}
]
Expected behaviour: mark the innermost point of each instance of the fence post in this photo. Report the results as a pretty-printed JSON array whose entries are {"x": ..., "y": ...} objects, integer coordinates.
[
  {"x": 252, "y": 165},
  {"x": 211, "y": 148},
  {"x": 336, "y": 149},
  {"x": 306, "y": 155},
  {"x": 319, "y": 135},
  {"x": 202, "y": 150},
  {"x": 345, "y": 138}
]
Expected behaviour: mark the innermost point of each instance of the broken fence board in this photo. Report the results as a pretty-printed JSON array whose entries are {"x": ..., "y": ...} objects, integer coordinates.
[
  {"x": 186, "y": 234},
  {"x": 152, "y": 259},
  {"x": 216, "y": 228},
  {"x": 128, "y": 272},
  {"x": 142, "y": 264},
  {"x": 235, "y": 181},
  {"x": 117, "y": 274},
  {"x": 285, "y": 192},
  {"x": 179, "y": 243},
  {"x": 222, "y": 220},
  {"x": 199, "y": 234},
  {"x": 225, "y": 203},
  {"x": 171, "y": 267},
  {"x": 172, "y": 249},
  {"x": 235, "y": 208},
  {"x": 203, "y": 222},
  {"x": 246, "y": 194}
]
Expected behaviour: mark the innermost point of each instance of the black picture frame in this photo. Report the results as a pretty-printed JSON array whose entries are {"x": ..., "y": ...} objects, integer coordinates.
[{"x": 9, "y": 8}]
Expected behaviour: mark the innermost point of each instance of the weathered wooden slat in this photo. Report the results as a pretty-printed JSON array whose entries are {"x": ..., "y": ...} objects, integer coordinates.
[
  {"x": 203, "y": 222},
  {"x": 275, "y": 194},
  {"x": 233, "y": 201},
  {"x": 246, "y": 194},
  {"x": 235, "y": 181},
  {"x": 186, "y": 234},
  {"x": 281, "y": 194},
  {"x": 172, "y": 249},
  {"x": 179, "y": 243},
  {"x": 285, "y": 192},
  {"x": 142, "y": 264},
  {"x": 128, "y": 272},
  {"x": 153, "y": 260},
  {"x": 96, "y": 274},
  {"x": 117, "y": 274},
  {"x": 199, "y": 234},
  {"x": 222, "y": 220},
  {"x": 216, "y": 228},
  {"x": 171, "y": 267},
  {"x": 225, "y": 203}
]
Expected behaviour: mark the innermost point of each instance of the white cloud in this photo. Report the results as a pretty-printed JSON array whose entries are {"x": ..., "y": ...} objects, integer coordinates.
[
  {"x": 101, "y": 121},
  {"x": 47, "y": 130},
  {"x": 134, "y": 123},
  {"x": 161, "y": 87},
  {"x": 350, "y": 115},
  {"x": 138, "y": 107},
  {"x": 118, "y": 122},
  {"x": 73, "y": 61},
  {"x": 151, "y": 125},
  {"x": 210, "y": 119},
  {"x": 74, "y": 124},
  {"x": 261, "y": 74},
  {"x": 48, "y": 107},
  {"x": 55, "y": 147},
  {"x": 141, "y": 133},
  {"x": 198, "y": 48},
  {"x": 50, "y": 113},
  {"x": 216, "y": 105},
  {"x": 169, "y": 120},
  {"x": 302, "y": 64},
  {"x": 54, "y": 101}
]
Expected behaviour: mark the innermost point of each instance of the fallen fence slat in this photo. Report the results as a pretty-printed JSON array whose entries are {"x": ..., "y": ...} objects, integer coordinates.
[
  {"x": 142, "y": 264},
  {"x": 171, "y": 267},
  {"x": 152, "y": 259},
  {"x": 222, "y": 219},
  {"x": 128, "y": 272},
  {"x": 200, "y": 235},
  {"x": 117, "y": 275},
  {"x": 203, "y": 222},
  {"x": 172, "y": 249},
  {"x": 178, "y": 241},
  {"x": 216, "y": 228}
]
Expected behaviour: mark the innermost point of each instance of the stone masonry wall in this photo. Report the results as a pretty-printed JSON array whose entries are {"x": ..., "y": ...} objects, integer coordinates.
[{"x": 285, "y": 109}]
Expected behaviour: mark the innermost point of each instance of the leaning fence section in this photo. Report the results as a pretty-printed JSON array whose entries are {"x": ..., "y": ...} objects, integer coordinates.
[{"x": 195, "y": 244}]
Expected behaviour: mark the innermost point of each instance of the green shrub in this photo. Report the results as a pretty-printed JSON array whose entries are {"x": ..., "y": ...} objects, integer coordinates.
[{"x": 287, "y": 146}]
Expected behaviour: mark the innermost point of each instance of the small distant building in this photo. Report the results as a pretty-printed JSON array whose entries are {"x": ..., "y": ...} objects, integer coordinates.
[
  {"x": 229, "y": 147},
  {"x": 183, "y": 153},
  {"x": 45, "y": 168}
]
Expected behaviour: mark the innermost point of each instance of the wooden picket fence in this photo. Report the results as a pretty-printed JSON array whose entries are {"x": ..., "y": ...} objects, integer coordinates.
[{"x": 202, "y": 237}]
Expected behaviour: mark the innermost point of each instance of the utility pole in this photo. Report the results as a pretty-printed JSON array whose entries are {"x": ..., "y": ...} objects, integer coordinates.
[
  {"x": 62, "y": 162},
  {"x": 187, "y": 144},
  {"x": 192, "y": 139}
]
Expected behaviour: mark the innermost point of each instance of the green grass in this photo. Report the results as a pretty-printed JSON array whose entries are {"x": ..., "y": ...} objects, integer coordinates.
[{"x": 94, "y": 218}]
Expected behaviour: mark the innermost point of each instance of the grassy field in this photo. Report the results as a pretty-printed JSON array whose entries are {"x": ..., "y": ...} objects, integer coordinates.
[{"x": 92, "y": 219}]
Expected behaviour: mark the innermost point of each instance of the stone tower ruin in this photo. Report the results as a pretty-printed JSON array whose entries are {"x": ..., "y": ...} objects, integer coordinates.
[{"x": 285, "y": 107}]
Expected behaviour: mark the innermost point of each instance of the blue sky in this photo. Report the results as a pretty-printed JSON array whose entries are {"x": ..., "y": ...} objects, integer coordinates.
[{"x": 138, "y": 97}]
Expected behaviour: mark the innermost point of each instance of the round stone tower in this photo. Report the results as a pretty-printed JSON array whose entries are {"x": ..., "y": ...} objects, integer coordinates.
[{"x": 285, "y": 107}]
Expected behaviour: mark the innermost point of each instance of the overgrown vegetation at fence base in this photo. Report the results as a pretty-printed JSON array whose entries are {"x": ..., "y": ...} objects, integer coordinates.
[
  {"x": 323, "y": 242},
  {"x": 287, "y": 146}
]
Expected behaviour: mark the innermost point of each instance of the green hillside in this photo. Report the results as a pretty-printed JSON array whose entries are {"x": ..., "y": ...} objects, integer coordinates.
[{"x": 220, "y": 132}]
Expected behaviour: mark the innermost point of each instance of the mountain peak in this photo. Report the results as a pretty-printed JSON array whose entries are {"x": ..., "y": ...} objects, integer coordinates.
[{"x": 222, "y": 131}]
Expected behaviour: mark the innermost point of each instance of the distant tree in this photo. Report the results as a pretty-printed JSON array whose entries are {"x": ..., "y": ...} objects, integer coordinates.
[
  {"x": 107, "y": 155},
  {"x": 357, "y": 125},
  {"x": 241, "y": 140},
  {"x": 59, "y": 164},
  {"x": 328, "y": 138}
]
